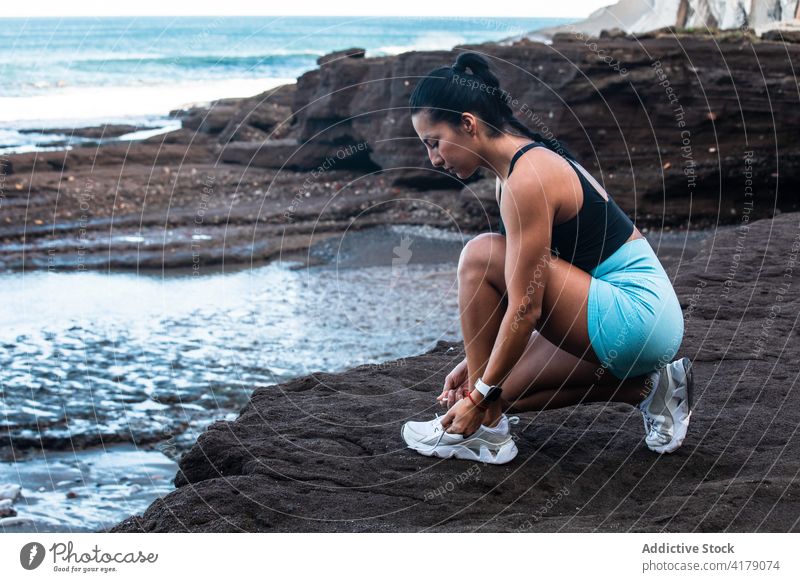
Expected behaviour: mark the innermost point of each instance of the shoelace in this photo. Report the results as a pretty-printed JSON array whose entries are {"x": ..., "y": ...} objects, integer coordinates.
[
  {"x": 511, "y": 420},
  {"x": 648, "y": 419}
]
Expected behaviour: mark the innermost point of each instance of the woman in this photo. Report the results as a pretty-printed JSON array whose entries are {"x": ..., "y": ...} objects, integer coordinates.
[{"x": 568, "y": 304}]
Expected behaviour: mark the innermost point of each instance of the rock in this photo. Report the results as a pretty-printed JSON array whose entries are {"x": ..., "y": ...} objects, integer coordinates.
[
  {"x": 107, "y": 131},
  {"x": 613, "y": 33},
  {"x": 605, "y": 100},
  {"x": 290, "y": 154},
  {"x": 147, "y": 153},
  {"x": 211, "y": 120},
  {"x": 628, "y": 109},
  {"x": 183, "y": 135},
  {"x": 9, "y": 491},
  {"x": 323, "y": 453},
  {"x": 6, "y": 510},
  {"x": 594, "y": 97},
  {"x": 236, "y": 119},
  {"x": 351, "y": 53},
  {"x": 782, "y": 35},
  {"x": 478, "y": 206},
  {"x": 562, "y": 37},
  {"x": 266, "y": 120}
]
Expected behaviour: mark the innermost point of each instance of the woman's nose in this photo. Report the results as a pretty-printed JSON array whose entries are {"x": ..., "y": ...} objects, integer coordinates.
[{"x": 437, "y": 161}]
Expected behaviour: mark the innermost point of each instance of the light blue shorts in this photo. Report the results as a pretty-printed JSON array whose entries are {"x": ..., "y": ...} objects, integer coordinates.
[{"x": 635, "y": 321}]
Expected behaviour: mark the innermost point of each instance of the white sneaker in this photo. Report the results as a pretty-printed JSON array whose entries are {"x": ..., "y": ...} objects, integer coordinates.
[
  {"x": 668, "y": 407},
  {"x": 652, "y": 381},
  {"x": 487, "y": 444},
  {"x": 421, "y": 429}
]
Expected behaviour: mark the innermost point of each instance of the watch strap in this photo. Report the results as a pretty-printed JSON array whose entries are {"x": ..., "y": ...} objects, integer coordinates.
[{"x": 482, "y": 387}]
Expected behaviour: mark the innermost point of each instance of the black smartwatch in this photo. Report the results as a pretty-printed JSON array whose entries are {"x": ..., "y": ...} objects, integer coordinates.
[{"x": 490, "y": 393}]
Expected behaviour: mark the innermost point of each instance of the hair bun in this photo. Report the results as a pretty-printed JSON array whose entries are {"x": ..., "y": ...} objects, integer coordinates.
[{"x": 472, "y": 61}]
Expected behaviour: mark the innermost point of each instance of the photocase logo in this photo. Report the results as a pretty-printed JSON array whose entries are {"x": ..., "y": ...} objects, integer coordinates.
[
  {"x": 400, "y": 262},
  {"x": 31, "y": 555}
]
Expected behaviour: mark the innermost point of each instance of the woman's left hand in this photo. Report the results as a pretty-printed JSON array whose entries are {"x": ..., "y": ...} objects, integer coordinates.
[{"x": 463, "y": 418}]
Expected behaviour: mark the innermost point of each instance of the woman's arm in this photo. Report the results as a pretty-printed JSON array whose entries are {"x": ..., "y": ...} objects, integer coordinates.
[{"x": 528, "y": 217}]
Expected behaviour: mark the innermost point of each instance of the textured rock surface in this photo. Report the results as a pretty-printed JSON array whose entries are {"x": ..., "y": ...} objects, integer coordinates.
[
  {"x": 263, "y": 116},
  {"x": 669, "y": 141},
  {"x": 323, "y": 452},
  {"x": 670, "y": 144}
]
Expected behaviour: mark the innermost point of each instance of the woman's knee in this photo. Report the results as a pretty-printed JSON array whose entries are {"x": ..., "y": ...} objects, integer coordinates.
[{"x": 482, "y": 256}]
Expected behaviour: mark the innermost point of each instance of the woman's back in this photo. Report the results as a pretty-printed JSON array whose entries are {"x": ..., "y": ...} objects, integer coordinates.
[{"x": 598, "y": 229}]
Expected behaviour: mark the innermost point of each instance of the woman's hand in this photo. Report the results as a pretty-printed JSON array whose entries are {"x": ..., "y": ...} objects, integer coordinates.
[
  {"x": 464, "y": 418},
  {"x": 456, "y": 385}
]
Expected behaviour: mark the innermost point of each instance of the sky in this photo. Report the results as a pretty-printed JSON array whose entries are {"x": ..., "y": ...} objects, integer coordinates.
[{"x": 509, "y": 8}]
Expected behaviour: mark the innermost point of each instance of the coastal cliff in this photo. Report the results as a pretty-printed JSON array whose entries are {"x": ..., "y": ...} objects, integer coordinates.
[
  {"x": 323, "y": 453},
  {"x": 665, "y": 121},
  {"x": 638, "y": 16}
]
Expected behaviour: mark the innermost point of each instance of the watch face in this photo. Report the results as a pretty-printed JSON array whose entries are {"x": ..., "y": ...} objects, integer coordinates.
[{"x": 493, "y": 394}]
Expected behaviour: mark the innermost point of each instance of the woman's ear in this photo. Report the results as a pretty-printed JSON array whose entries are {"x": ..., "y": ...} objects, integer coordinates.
[{"x": 469, "y": 123}]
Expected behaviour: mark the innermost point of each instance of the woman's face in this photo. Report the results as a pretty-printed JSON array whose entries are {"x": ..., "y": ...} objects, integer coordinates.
[{"x": 450, "y": 148}]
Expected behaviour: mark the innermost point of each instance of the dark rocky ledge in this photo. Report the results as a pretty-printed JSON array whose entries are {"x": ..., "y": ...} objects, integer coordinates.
[
  {"x": 323, "y": 453},
  {"x": 669, "y": 123}
]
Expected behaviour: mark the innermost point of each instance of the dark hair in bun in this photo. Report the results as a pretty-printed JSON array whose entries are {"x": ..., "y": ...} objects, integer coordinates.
[{"x": 469, "y": 85}]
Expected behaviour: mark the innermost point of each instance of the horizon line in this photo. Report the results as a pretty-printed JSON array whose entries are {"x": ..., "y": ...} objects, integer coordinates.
[{"x": 285, "y": 16}]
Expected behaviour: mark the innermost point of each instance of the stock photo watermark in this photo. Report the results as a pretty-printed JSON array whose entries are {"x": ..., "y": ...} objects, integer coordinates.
[
  {"x": 780, "y": 295},
  {"x": 530, "y": 291},
  {"x": 547, "y": 507},
  {"x": 401, "y": 260},
  {"x": 521, "y": 108},
  {"x": 313, "y": 176},
  {"x": 202, "y": 207},
  {"x": 85, "y": 198},
  {"x": 68, "y": 558},
  {"x": 601, "y": 53},
  {"x": 744, "y": 227},
  {"x": 473, "y": 473},
  {"x": 687, "y": 155}
]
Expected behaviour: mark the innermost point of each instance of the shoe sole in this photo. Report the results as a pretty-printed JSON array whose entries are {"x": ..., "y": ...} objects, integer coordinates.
[
  {"x": 504, "y": 454},
  {"x": 684, "y": 413}
]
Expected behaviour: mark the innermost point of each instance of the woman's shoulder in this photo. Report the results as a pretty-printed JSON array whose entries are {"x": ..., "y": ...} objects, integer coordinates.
[{"x": 539, "y": 166}]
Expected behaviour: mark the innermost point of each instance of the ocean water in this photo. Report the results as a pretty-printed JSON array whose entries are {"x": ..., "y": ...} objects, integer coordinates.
[
  {"x": 76, "y": 72},
  {"x": 106, "y": 379}
]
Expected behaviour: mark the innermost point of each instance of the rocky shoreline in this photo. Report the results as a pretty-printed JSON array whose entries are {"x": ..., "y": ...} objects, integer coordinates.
[
  {"x": 682, "y": 133},
  {"x": 322, "y": 453},
  {"x": 669, "y": 123}
]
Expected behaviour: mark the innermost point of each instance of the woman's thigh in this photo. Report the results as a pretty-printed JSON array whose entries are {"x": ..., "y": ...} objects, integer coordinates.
[{"x": 564, "y": 305}]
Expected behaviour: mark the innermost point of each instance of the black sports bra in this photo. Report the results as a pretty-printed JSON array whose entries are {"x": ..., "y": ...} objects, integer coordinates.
[{"x": 592, "y": 235}]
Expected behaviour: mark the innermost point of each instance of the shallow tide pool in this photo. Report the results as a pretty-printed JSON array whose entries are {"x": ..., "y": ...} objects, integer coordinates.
[{"x": 121, "y": 364}]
